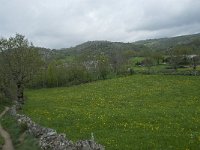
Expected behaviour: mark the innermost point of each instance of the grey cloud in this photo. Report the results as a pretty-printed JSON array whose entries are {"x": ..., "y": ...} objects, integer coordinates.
[
  {"x": 169, "y": 15},
  {"x": 65, "y": 23}
]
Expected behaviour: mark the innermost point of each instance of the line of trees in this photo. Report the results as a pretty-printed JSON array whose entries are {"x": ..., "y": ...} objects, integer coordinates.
[{"x": 85, "y": 68}]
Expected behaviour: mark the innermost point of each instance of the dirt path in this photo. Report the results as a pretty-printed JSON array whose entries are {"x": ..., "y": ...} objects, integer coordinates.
[{"x": 7, "y": 140}]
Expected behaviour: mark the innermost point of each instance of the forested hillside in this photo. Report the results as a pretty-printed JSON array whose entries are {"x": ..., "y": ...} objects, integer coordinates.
[
  {"x": 97, "y": 47},
  {"x": 136, "y": 48},
  {"x": 166, "y": 43}
]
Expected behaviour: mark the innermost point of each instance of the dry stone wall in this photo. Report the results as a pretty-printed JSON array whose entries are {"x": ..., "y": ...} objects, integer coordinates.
[{"x": 49, "y": 139}]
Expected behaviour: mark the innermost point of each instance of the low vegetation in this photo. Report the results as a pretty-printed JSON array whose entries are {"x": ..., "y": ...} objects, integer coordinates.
[
  {"x": 135, "y": 112},
  {"x": 1, "y": 142},
  {"x": 21, "y": 140}
]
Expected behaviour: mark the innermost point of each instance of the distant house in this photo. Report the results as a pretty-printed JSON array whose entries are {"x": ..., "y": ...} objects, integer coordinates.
[{"x": 191, "y": 56}]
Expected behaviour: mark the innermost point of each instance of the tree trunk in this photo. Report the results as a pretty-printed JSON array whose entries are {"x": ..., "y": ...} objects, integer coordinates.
[
  {"x": 194, "y": 63},
  {"x": 158, "y": 61},
  {"x": 20, "y": 93},
  {"x": 194, "y": 67}
]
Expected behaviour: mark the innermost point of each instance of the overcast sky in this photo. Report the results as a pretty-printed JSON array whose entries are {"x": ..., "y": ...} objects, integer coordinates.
[{"x": 65, "y": 23}]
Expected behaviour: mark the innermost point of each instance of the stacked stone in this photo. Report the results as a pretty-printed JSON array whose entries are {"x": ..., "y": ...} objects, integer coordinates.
[{"x": 49, "y": 139}]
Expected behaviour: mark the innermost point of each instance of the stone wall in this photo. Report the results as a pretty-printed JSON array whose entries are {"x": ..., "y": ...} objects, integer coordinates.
[{"x": 49, "y": 139}]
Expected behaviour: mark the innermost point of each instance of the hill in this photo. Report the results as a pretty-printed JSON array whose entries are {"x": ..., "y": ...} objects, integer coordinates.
[
  {"x": 137, "y": 48},
  {"x": 166, "y": 43},
  {"x": 109, "y": 48},
  {"x": 106, "y": 47}
]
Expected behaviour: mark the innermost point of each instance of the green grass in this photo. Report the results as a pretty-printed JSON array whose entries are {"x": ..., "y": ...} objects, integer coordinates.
[
  {"x": 1, "y": 142},
  {"x": 134, "y": 60},
  {"x": 156, "y": 69},
  {"x": 15, "y": 131},
  {"x": 1, "y": 107},
  {"x": 135, "y": 112},
  {"x": 1, "y": 138},
  {"x": 3, "y": 103}
]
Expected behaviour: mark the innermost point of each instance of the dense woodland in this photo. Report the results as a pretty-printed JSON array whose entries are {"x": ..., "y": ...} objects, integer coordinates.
[{"x": 22, "y": 65}]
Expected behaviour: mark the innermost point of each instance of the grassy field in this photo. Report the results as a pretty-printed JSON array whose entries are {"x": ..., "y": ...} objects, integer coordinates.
[{"x": 135, "y": 112}]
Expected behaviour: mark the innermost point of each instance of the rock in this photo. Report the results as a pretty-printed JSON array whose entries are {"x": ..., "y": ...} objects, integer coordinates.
[{"x": 88, "y": 145}]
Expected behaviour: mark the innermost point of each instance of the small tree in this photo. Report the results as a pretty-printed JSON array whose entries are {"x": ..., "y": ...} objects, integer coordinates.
[
  {"x": 118, "y": 61},
  {"x": 103, "y": 66},
  {"x": 20, "y": 61},
  {"x": 148, "y": 62},
  {"x": 175, "y": 57},
  {"x": 194, "y": 61},
  {"x": 157, "y": 56}
]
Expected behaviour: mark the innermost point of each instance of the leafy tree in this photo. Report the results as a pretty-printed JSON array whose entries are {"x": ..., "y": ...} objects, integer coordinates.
[
  {"x": 118, "y": 60},
  {"x": 148, "y": 62},
  {"x": 157, "y": 56},
  {"x": 52, "y": 77},
  {"x": 20, "y": 61},
  {"x": 175, "y": 59},
  {"x": 103, "y": 66},
  {"x": 194, "y": 61}
]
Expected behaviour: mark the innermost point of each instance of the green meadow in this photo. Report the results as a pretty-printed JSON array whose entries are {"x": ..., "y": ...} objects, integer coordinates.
[{"x": 134, "y": 112}]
